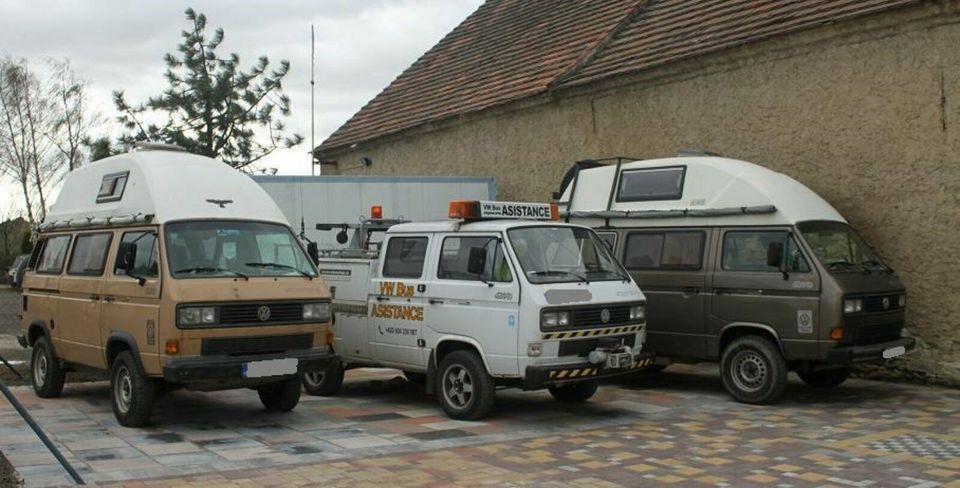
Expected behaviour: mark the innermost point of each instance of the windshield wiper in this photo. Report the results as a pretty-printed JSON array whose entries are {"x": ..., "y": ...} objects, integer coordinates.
[
  {"x": 837, "y": 264},
  {"x": 876, "y": 264},
  {"x": 555, "y": 272},
  {"x": 281, "y": 266},
  {"x": 211, "y": 269}
]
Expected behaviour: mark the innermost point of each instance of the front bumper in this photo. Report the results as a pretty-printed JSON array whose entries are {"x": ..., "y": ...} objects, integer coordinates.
[
  {"x": 206, "y": 368},
  {"x": 22, "y": 340},
  {"x": 539, "y": 377},
  {"x": 871, "y": 352}
]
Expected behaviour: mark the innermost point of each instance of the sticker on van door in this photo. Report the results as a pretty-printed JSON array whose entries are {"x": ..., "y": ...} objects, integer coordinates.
[{"x": 805, "y": 321}]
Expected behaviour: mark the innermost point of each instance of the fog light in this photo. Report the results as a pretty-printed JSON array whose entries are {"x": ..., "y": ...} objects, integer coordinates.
[
  {"x": 173, "y": 347},
  {"x": 597, "y": 357},
  {"x": 836, "y": 333},
  {"x": 534, "y": 349}
]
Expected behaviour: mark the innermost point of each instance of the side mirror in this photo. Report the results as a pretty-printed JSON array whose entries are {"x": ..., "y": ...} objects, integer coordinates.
[
  {"x": 477, "y": 261},
  {"x": 775, "y": 254},
  {"x": 126, "y": 256},
  {"x": 313, "y": 251}
]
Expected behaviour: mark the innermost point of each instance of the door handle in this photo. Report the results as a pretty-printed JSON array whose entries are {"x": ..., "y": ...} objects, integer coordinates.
[
  {"x": 691, "y": 290},
  {"x": 463, "y": 303},
  {"x": 383, "y": 299},
  {"x": 94, "y": 298},
  {"x": 434, "y": 301},
  {"x": 109, "y": 299}
]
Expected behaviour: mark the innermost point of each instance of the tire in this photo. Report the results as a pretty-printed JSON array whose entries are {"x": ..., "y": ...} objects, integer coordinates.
[
  {"x": 575, "y": 392},
  {"x": 753, "y": 370},
  {"x": 131, "y": 392},
  {"x": 323, "y": 383},
  {"x": 827, "y": 378},
  {"x": 281, "y": 396},
  {"x": 416, "y": 378},
  {"x": 464, "y": 388},
  {"x": 46, "y": 372}
]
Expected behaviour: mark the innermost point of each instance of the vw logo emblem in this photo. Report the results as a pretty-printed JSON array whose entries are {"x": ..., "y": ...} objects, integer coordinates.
[
  {"x": 263, "y": 313},
  {"x": 605, "y": 315},
  {"x": 886, "y": 303}
]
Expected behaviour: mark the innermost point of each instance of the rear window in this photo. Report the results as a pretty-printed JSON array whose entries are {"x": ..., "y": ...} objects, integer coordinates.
[
  {"x": 639, "y": 185},
  {"x": 405, "y": 257},
  {"x": 664, "y": 250},
  {"x": 53, "y": 254},
  {"x": 89, "y": 254}
]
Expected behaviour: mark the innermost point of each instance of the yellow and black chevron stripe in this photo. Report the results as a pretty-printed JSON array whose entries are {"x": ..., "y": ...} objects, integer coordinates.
[
  {"x": 591, "y": 333},
  {"x": 566, "y": 374}
]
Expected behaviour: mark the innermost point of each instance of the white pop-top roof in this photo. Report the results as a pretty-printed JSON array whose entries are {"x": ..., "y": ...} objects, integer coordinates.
[
  {"x": 168, "y": 185},
  {"x": 715, "y": 191}
]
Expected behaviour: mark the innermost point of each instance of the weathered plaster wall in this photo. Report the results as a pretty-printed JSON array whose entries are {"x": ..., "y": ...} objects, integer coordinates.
[{"x": 866, "y": 113}]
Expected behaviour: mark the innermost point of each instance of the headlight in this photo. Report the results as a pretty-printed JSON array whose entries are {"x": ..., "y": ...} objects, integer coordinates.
[
  {"x": 638, "y": 312},
  {"x": 197, "y": 316},
  {"x": 902, "y": 302},
  {"x": 556, "y": 319},
  {"x": 853, "y": 305},
  {"x": 316, "y": 312}
]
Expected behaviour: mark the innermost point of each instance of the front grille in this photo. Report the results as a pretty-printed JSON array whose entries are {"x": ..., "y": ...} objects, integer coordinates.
[
  {"x": 591, "y": 317},
  {"x": 236, "y": 346},
  {"x": 875, "y": 303},
  {"x": 584, "y": 346},
  {"x": 249, "y": 313},
  {"x": 877, "y": 333}
]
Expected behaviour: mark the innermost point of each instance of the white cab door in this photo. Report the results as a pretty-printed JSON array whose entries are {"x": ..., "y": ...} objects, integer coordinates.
[{"x": 397, "y": 312}]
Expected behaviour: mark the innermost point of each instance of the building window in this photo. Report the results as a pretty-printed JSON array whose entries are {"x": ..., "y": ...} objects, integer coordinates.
[
  {"x": 405, "y": 256},
  {"x": 112, "y": 186},
  {"x": 664, "y": 250},
  {"x": 650, "y": 184},
  {"x": 89, "y": 254}
]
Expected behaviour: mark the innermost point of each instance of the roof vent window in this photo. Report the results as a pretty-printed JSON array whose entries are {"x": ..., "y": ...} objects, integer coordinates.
[{"x": 112, "y": 186}]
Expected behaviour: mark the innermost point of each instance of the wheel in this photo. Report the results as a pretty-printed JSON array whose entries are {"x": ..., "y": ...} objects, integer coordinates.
[
  {"x": 753, "y": 370},
  {"x": 415, "y": 378},
  {"x": 574, "y": 393},
  {"x": 466, "y": 389},
  {"x": 46, "y": 372},
  {"x": 827, "y": 378},
  {"x": 281, "y": 396},
  {"x": 132, "y": 393},
  {"x": 325, "y": 382}
]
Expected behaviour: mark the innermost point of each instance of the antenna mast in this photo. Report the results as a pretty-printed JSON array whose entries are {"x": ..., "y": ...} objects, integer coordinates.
[{"x": 313, "y": 63}]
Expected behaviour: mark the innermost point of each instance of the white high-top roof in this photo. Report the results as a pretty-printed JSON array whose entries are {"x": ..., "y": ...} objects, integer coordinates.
[
  {"x": 167, "y": 185},
  {"x": 716, "y": 191}
]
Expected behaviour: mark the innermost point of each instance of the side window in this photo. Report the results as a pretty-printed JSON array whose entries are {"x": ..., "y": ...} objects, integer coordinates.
[
  {"x": 650, "y": 184},
  {"x": 796, "y": 262},
  {"x": 89, "y": 254},
  {"x": 52, "y": 255},
  {"x": 609, "y": 239},
  {"x": 404, "y": 258},
  {"x": 455, "y": 260},
  {"x": 145, "y": 259},
  {"x": 664, "y": 250},
  {"x": 747, "y": 250},
  {"x": 112, "y": 186}
]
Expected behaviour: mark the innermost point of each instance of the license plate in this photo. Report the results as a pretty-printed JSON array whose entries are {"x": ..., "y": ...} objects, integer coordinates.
[
  {"x": 272, "y": 367},
  {"x": 894, "y": 352},
  {"x": 619, "y": 360}
]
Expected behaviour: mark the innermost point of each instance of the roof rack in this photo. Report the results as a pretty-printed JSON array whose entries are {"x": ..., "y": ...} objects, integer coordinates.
[
  {"x": 96, "y": 222},
  {"x": 157, "y": 146}
]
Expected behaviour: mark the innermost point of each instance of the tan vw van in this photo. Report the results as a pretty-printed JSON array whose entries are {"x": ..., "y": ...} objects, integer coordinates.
[{"x": 169, "y": 269}]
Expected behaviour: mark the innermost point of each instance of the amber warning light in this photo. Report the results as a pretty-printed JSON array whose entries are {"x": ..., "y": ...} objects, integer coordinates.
[
  {"x": 479, "y": 209},
  {"x": 376, "y": 212}
]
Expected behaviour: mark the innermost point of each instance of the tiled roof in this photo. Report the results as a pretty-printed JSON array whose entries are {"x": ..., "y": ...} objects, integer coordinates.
[{"x": 513, "y": 49}]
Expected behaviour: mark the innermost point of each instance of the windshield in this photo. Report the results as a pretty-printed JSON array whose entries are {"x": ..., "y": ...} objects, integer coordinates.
[
  {"x": 227, "y": 248},
  {"x": 554, "y": 254},
  {"x": 838, "y": 247}
]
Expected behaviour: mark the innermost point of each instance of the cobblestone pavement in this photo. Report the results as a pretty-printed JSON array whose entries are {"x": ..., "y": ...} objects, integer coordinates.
[{"x": 676, "y": 428}]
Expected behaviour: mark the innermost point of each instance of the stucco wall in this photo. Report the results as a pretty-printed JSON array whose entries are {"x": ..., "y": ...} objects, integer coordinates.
[{"x": 866, "y": 113}]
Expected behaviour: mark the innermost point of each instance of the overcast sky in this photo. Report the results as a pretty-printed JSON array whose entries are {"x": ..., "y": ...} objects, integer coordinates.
[{"x": 361, "y": 46}]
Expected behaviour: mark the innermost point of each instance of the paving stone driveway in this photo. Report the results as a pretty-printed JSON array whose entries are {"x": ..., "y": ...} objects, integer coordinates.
[{"x": 674, "y": 428}]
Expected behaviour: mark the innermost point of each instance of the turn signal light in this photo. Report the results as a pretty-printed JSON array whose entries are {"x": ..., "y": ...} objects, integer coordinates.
[
  {"x": 554, "y": 211},
  {"x": 173, "y": 347},
  {"x": 836, "y": 333},
  {"x": 376, "y": 212}
]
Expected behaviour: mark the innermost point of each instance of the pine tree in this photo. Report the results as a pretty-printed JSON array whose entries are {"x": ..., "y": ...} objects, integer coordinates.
[{"x": 212, "y": 107}]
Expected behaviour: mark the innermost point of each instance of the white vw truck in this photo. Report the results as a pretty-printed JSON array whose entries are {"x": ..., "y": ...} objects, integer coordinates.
[{"x": 500, "y": 295}]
